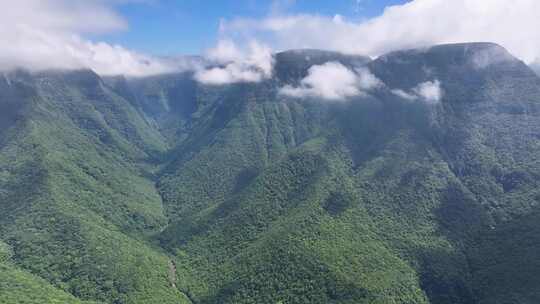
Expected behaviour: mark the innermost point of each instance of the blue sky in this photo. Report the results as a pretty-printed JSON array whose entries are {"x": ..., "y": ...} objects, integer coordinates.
[{"x": 170, "y": 27}]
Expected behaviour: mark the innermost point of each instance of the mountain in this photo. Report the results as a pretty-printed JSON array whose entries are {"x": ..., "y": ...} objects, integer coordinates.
[
  {"x": 293, "y": 65},
  {"x": 535, "y": 66},
  {"x": 165, "y": 190},
  {"x": 76, "y": 189}
]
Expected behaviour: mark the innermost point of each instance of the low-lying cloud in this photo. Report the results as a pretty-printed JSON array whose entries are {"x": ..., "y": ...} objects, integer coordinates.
[
  {"x": 429, "y": 92},
  {"x": 402, "y": 94},
  {"x": 237, "y": 65},
  {"x": 333, "y": 81}
]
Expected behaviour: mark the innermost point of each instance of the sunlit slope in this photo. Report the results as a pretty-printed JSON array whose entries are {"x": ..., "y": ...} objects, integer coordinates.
[
  {"x": 386, "y": 201},
  {"x": 163, "y": 189},
  {"x": 76, "y": 198}
]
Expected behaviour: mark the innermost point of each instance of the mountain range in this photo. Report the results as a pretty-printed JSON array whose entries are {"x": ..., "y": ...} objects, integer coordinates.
[{"x": 422, "y": 188}]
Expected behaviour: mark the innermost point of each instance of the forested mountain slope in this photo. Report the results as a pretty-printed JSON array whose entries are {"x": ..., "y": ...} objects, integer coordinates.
[
  {"x": 77, "y": 200},
  {"x": 164, "y": 190}
]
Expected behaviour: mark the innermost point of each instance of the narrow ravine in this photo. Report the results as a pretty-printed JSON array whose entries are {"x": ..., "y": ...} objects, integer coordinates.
[{"x": 172, "y": 274}]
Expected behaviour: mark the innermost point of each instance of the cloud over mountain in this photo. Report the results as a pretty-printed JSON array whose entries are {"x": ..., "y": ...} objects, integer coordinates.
[
  {"x": 429, "y": 92},
  {"x": 46, "y": 34},
  {"x": 417, "y": 23},
  {"x": 333, "y": 81},
  {"x": 252, "y": 64}
]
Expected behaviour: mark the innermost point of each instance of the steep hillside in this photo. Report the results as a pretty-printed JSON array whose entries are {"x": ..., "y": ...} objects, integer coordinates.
[
  {"x": 77, "y": 199},
  {"x": 385, "y": 201},
  {"x": 164, "y": 190},
  {"x": 19, "y": 286}
]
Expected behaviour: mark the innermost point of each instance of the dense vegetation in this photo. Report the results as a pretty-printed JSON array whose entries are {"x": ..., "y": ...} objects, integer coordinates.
[{"x": 162, "y": 190}]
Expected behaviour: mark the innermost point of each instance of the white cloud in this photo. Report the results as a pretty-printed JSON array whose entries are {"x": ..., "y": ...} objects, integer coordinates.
[
  {"x": 232, "y": 73},
  {"x": 430, "y": 91},
  {"x": 513, "y": 24},
  {"x": 251, "y": 65},
  {"x": 333, "y": 81},
  {"x": 225, "y": 50},
  {"x": 366, "y": 80},
  {"x": 47, "y": 34},
  {"x": 404, "y": 95}
]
